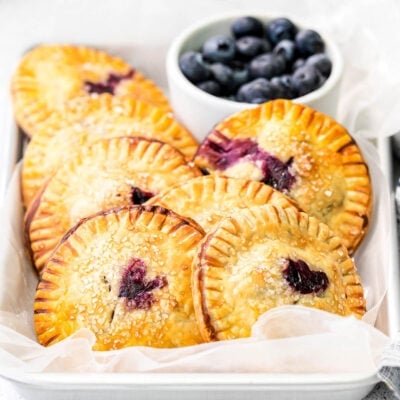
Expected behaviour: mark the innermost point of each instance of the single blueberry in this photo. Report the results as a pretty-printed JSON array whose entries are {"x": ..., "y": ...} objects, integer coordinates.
[
  {"x": 256, "y": 92},
  {"x": 285, "y": 87},
  {"x": 306, "y": 79},
  {"x": 240, "y": 72},
  {"x": 309, "y": 42},
  {"x": 267, "y": 66},
  {"x": 211, "y": 87},
  {"x": 279, "y": 29},
  {"x": 248, "y": 47},
  {"x": 246, "y": 26},
  {"x": 298, "y": 63},
  {"x": 321, "y": 62},
  {"x": 219, "y": 49},
  {"x": 276, "y": 84},
  {"x": 287, "y": 49},
  {"x": 193, "y": 67},
  {"x": 222, "y": 73}
]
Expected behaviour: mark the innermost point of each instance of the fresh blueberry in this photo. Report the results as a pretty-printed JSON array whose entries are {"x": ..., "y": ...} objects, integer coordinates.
[
  {"x": 211, "y": 87},
  {"x": 287, "y": 49},
  {"x": 279, "y": 29},
  {"x": 285, "y": 87},
  {"x": 256, "y": 92},
  {"x": 240, "y": 72},
  {"x": 278, "y": 89},
  {"x": 298, "y": 63},
  {"x": 219, "y": 49},
  {"x": 248, "y": 47},
  {"x": 267, "y": 66},
  {"x": 309, "y": 42},
  {"x": 321, "y": 62},
  {"x": 193, "y": 67},
  {"x": 221, "y": 73},
  {"x": 306, "y": 79},
  {"x": 246, "y": 26}
]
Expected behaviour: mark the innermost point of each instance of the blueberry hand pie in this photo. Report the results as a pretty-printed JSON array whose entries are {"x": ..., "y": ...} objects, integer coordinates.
[
  {"x": 125, "y": 275},
  {"x": 207, "y": 199},
  {"x": 60, "y": 138},
  {"x": 51, "y": 75},
  {"x": 110, "y": 173},
  {"x": 301, "y": 152},
  {"x": 266, "y": 256}
]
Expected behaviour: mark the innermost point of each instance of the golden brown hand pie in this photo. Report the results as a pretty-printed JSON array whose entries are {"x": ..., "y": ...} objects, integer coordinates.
[
  {"x": 60, "y": 138},
  {"x": 208, "y": 199},
  {"x": 125, "y": 274},
  {"x": 302, "y": 153},
  {"x": 266, "y": 256},
  {"x": 51, "y": 75},
  {"x": 110, "y": 173}
]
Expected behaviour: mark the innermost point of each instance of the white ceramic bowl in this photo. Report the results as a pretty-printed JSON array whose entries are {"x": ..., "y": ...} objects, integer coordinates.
[{"x": 200, "y": 111}]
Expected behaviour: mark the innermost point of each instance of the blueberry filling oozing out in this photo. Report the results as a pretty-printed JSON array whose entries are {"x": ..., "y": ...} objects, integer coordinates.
[
  {"x": 136, "y": 287},
  {"x": 302, "y": 279},
  {"x": 277, "y": 173},
  {"x": 227, "y": 152},
  {"x": 139, "y": 196},
  {"x": 109, "y": 85}
]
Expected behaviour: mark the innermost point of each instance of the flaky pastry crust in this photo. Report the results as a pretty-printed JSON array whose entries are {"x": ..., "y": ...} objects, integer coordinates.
[
  {"x": 49, "y": 76},
  {"x": 303, "y": 153},
  {"x": 266, "y": 256},
  {"x": 110, "y": 173},
  {"x": 125, "y": 275}
]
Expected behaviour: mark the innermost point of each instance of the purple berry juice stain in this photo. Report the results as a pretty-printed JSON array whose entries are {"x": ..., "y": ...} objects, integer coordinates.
[
  {"x": 109, "y": 85},
  {"x": 136, "y": 288},
  {"x": 139, "y": 196},
  {"x": 302, "y": 279},
  {"x": 227, "y": 152}
]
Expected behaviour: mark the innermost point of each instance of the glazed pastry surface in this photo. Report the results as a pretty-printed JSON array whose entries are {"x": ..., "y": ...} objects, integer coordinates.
[
  {"x": 208, "y": 199},
  {"x": 58, "y": 139},
  {"x": 49, "y": 76},
  {"x": 301, "y": 152},
  {"x": 125, "y": 275},
  {"x": 110, "y": 173},
  {"x": 266, "y": 256}
]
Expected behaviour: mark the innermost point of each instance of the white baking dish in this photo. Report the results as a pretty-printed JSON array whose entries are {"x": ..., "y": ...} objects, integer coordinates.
[{"x": 122, "y": 41}]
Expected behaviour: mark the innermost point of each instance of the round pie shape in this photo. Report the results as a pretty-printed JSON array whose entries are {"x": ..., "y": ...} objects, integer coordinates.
[
  {"x": 110, "y": 173},
  {"x": 51, "y": 75},
  {"x": 125, "y": 275},
  {"x": 208, "y": 199},
  {"x": 305, "y": 154},
  {"x": 266, "y": 256},
  {"x": 59, "y": 138}
]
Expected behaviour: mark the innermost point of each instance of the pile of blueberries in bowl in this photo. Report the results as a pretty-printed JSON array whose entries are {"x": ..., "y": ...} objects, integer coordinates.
[{"x": 259, "y": 61}]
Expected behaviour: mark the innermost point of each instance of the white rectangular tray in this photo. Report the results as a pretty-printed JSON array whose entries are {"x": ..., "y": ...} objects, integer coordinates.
[{"x": 121, "y": 41}]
